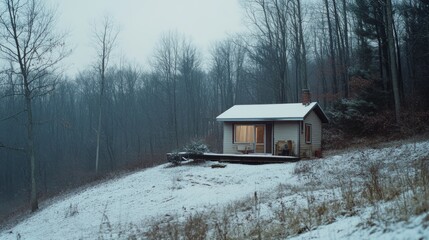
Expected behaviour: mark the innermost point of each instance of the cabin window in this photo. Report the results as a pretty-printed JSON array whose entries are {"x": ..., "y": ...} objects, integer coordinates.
[
  {"x": 244, "y": 133},
  {"x": 307, "y": 133}
]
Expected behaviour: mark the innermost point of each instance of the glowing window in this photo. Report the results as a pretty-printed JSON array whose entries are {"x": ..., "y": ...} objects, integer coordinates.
[{"x": 244, "y": 134}]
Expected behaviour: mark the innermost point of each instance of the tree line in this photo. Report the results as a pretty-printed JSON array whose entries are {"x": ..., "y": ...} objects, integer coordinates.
[{"x": 58, "y": 131}]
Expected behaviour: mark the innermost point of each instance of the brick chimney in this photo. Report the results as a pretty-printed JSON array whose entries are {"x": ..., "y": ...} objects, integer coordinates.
[{"x": 306, "y": 99}]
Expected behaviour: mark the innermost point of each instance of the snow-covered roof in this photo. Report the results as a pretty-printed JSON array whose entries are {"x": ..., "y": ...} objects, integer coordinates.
[{"x": 271, "y": 112}]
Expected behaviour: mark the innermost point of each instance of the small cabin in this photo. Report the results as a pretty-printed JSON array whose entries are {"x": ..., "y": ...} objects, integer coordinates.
[{"x": 289, "y": 129}]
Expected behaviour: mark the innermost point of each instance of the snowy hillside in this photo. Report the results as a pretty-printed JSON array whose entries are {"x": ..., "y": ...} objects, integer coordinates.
[{"x": 332, "y": 198}]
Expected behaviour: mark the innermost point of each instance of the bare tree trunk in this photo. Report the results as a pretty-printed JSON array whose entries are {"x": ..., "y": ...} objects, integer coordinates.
[
  {"x": 297, "y": 50},
  {"x": 100, "y": 106},
  {"x": 332, "y": 51},
  {"x": 104, "y": 41},
  {"x": 176, "y": 130},
  {"x": 35, "y": 49},
  {"x": 392, "y": 61},
  {"x": 340, "y": 47},
  {"x": 30, "y": 149},
  {"x": 398, "y": 51},
  {"x": 320, "y": 63},
  {"x": 303, "y": 49},
  {"x": 346, "y": 50},
  {"x": 166, "y": 61},
  {"x": 270, "y": 20}
]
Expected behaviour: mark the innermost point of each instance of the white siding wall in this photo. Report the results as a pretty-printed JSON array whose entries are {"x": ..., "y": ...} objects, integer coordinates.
[
  {"x": 316, "y": 135},
  {"x": 286, "y": 131},
  {"x": 228, "y": 146}
]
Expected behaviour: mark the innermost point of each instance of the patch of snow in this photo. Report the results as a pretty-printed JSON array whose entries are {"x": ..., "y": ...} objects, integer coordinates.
[
  {"x": 179, "y": 191},
  {"x": 148, "y": 194}
]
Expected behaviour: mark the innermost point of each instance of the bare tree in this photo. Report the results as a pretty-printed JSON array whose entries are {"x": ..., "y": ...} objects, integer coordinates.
[
  {"x": 228, "y": 57},
  {"x": 269, "y": 20},
  {"x": 346, "y": 49},
  {"x": 299, "y": 50},
  {"x": 189, "y": 67},
  {"x": 29, "y": 42},
  {"x": 222, "y": 68},
  {"x": 332, "y": 50},
  {"x": 392, "y": 60},
  {"x": 167, "y": 59},
  {"x": 104, "y": 40}
]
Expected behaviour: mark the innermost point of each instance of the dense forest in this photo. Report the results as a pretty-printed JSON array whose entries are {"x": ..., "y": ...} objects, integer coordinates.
[{"x": 366, "y": 62}]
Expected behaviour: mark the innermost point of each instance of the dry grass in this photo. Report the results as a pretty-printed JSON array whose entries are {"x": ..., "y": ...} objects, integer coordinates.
[
  {"x": 71, "y": 211},
  {"x": 196, "y": 227},
  {"x": 394, "y": 190}
]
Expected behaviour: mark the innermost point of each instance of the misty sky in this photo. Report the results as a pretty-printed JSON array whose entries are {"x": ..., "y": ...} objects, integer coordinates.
[{"x": 141, "y": 24}]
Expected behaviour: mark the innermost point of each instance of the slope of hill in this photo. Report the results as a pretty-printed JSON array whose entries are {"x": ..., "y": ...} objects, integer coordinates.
[{"x": 368, "y": 193}]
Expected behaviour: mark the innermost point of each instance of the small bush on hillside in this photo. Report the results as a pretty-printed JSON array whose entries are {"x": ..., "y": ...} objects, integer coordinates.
[
  {"x": 175, "y": 158},
  {"x": 196, "y": 147}
]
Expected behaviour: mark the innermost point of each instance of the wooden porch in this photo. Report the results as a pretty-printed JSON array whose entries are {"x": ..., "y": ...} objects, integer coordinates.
[{"x": 236, "y": 158}]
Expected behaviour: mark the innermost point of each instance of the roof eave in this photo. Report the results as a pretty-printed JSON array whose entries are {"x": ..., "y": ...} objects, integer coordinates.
[
  {"x": 319, "y": 111},
  {"x": 257, "y": 119}
]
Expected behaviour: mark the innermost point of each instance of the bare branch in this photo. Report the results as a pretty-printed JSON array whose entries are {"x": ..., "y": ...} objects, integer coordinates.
[
  {"x": 12, "y": 148},
  {"x": 32, "y": 47},
  {"x": 11, "y": 116}
]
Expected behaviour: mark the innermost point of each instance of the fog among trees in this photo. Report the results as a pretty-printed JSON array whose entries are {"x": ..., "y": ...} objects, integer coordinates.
[{"x": 58, "y": 131}]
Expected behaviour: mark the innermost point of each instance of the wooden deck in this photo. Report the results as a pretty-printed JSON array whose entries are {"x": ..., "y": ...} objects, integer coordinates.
[{"x": 238, "y": 158}]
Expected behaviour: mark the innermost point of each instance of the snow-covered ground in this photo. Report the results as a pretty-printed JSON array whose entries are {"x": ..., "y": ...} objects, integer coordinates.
[{"x": 134, "y": 201}]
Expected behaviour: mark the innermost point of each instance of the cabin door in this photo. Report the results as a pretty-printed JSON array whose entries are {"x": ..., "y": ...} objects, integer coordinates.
[{"x": 260, "y": 139}]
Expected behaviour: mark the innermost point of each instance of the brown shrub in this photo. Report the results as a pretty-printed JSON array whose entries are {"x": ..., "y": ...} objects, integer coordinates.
[{"x": 196, "y": 227}]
